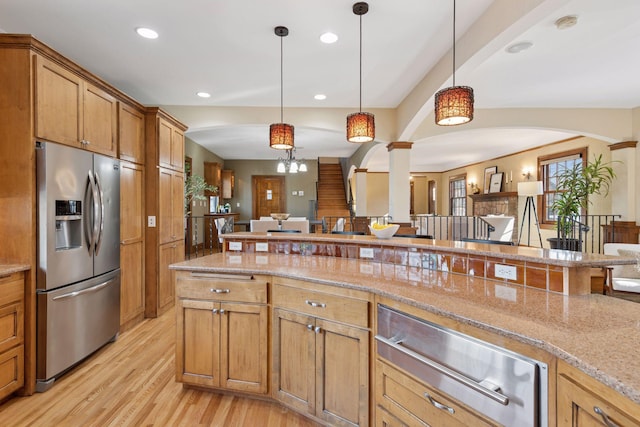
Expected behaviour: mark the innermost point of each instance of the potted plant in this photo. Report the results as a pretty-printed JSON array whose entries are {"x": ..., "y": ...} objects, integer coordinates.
[
  {"x": 577, "y": 184},
  {"x": 194, "y": 188}
]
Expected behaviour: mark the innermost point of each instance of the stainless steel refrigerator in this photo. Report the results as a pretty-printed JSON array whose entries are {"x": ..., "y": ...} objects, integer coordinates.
[{"x": 78, "y": 277}]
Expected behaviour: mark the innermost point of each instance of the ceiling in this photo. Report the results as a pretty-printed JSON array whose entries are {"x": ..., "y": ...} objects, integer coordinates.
[{"x": 229, "y": 49}]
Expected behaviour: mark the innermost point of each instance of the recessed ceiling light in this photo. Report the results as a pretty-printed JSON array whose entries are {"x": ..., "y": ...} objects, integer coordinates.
[
  {"x": 147, "y": 33},
  {"x": 204, "y": 94},
  {"x": 328, "y": 38},
  {"x": 566, "y": 22},
  {"x": 320, "y": 97},
  {"x": 518, "y": 47}
]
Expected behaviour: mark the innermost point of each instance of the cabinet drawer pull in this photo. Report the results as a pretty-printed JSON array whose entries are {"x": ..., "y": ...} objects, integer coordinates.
[
  {"x": 317, "y": 329},
  {"x": 438, "y": 404},
  {"x": 310, "y": 327},
  {"x": 605, "y": 417},
  {"x": 215, "y": 311},
  {"x": 222, "y": 311},
  {"x": 316, "y": 304},
  {"x": 220, "y": 291}
]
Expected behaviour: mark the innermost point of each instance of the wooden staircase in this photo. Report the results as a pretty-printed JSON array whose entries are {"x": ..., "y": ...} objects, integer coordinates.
[{"x": 332, "y": 200}]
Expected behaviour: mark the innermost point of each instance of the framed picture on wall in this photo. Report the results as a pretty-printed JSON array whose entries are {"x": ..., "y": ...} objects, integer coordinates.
[
  {"x": 487, "y": 177},
  {"x": 496, "y": 183}
]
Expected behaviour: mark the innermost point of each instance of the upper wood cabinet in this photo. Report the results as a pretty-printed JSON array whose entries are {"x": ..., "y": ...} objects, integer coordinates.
[
  {"x": 72, "y": 111},
  {"x": 212, "y": 176},
  {"x": 170, "y": 146},
  {"x": 228, "y": 182},
  {"x": 131, "y": 134}
]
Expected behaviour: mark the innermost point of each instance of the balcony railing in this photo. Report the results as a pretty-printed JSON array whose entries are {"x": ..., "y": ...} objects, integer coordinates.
[{"x": 587, "y": 233}]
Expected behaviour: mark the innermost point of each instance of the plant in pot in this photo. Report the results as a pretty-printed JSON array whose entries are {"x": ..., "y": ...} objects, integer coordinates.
[
  {"x": 194, "y": 188},
  {"x": 577, "y": 183}
]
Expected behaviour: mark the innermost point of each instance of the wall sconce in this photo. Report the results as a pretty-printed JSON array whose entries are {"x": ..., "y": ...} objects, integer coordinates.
[
  {"x": 474, "y": 188},
  {"x": 526, "y": 172}
]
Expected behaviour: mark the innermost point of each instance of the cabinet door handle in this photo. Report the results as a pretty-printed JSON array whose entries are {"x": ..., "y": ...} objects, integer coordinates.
[
  {"x": 438, "y": 404},
  {"x": 215, "y": 311},
  {"x": 222, "y": 311},
  {"x": 316, "y": 304},
  {"x": 605, "y": 418},
  {"x": 220, "y": 291},
  {"x": 317, "y": 329},
  {"x": 310, "y": 327}
]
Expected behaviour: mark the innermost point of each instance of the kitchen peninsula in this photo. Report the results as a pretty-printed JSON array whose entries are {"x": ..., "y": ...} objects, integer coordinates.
[{"x": 588, "y": 344}]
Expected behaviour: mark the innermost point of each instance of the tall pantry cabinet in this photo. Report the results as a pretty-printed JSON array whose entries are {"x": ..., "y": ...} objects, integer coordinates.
[{"x": 165, "y": 208}]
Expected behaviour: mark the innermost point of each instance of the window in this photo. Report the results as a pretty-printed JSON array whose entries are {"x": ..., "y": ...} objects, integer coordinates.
[
  {"x": 548, "y": 169},
  {"x": 458, "y": 195}
]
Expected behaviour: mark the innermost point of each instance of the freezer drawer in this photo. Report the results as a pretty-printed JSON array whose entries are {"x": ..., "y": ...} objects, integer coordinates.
[{"x": 73, "y": 322}]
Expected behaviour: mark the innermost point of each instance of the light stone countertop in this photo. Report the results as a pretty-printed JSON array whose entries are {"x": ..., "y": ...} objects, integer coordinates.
[
  {"x": 7, "y": 269},
  {"x": 599, "y": 335}
]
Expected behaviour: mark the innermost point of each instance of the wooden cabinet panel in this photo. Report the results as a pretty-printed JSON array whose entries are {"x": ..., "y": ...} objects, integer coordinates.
[
  {"x": 385, "y": 419},
  {"x": 220, "y": 344},
  {"x": 170, "y": 221},
  {"x": 132, "y": 283},
  {"x": 585, "y": 402},
  {"x": 212, "y": 176},
  {"x": 132, "y": 219},
  {"x": 100, "y": 112},
  {"x": 228, "y": 182},
  {"x": 216, "y": 287},
  {"x": 170, "y": 146},
  {"x": 169, "y": 253},
  {"x": 294, "y": 360},
  {"x": 131, "y": 134},
  {"x": 72, "y": 111},
  {"x": 405, "y": 398},
  {"x": 321, "y": 368},
  {"x": 177, "y": 149},
  {"x": 58, "y": 99},
  {"x": 11, "y": 333}
]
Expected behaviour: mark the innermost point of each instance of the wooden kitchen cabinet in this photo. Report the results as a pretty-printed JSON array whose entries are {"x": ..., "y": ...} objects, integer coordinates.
[
  {"x": 321, "y": 365},
  {"x": 228, "y": 182},
  {"x": 385, "y": 419},
  {"x": 132, "y": 223},
  {"x": 405, "y": 399},
  {"x": 164, "y": 205},
  {"x": 212, "y": 176},
  {"x": 222, "y": 332},
  {"x": 11, "y": 333},
  {"x": 72, "y": 111},
  {"x": 130, "y": 134},
  {"x": 170, "y": 145},
  {"x": 585, "y": 402}
]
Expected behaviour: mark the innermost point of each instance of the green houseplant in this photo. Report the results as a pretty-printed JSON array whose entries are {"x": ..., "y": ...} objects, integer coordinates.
[
  {"x": 194, "y": 188},
  {"x": 576, "y": 184}
]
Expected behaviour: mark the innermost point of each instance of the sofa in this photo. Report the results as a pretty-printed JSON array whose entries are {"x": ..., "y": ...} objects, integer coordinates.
[{"x": 623, "y": 281}]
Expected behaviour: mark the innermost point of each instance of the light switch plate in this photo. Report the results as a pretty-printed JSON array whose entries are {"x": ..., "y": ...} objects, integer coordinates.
[
  {"x": 151, "y": 221},
  {"x": 300, "y": 193}
]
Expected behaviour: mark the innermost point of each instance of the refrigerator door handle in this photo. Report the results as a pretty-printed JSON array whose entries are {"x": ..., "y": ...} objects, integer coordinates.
[
  {"x": 91, "y": 227},
  {"x": 84, "y": 291},
  {"x": 100, "y": 229}
]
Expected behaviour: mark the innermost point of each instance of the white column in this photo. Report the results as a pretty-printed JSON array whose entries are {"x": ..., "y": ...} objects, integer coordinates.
[
  {"x": 361, "y": 192},
  {"x": 399, "y": 186},
  {"x": 623, "y": 190}
]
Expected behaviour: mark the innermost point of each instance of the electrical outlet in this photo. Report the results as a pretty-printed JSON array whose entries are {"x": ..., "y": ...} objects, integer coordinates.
[
  {"x": 235, "y": 246},
  {"x": 151, "y": 221},
  {"x": 506, "y": 271},
  {"x": 300, "y": 193},
  {"x": 262, "y": 247},
  {"x": 366, "y": 252}
]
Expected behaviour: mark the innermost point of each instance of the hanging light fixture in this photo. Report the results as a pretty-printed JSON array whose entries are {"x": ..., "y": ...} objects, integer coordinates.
[
  {"x": 361, "y": 126},
  {"x": 290, "y": 164},
  {"x": 454, "y": 105},
  {"x": 281, "y": 134}
]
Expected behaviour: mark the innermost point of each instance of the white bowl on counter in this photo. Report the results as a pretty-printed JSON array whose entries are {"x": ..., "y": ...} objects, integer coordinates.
[{"x": 385, "y": 233}]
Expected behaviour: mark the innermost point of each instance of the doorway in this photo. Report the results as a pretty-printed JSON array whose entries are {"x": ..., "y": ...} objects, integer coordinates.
[
  {"x": 431, "y": 208},
  {"x": 268, "y": 194}
]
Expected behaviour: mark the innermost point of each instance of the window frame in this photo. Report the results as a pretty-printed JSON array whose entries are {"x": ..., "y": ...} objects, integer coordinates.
[
  {"x": 543, "y": 166},
  {"x": 458, "y": 198}
]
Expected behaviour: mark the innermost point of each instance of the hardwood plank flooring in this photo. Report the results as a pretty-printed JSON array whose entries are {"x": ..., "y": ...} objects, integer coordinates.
[{"x": 131, "y": 382}]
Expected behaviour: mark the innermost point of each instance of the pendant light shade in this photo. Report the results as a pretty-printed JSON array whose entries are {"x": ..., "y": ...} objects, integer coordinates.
[
  {"x": 454, "y": 105},
  {"x": 281, "y": 134},
  {"x": 361, "y": 126}
]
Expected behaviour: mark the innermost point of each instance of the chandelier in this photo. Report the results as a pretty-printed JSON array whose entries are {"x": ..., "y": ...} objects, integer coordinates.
[{"x": 290, "y": 164}]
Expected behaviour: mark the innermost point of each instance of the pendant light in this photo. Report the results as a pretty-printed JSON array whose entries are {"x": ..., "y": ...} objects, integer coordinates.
[
  {"x": 454, "y": 105},
  {"x": 281, "y": 134},
  {"x": 361, "y": 126}
]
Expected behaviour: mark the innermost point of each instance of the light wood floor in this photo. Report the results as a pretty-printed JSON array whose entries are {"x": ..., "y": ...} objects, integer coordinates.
[{"x": 131, "y": 383}]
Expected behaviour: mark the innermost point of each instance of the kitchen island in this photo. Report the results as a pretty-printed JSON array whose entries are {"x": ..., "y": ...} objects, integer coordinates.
[{"x": 594, "y": 336}]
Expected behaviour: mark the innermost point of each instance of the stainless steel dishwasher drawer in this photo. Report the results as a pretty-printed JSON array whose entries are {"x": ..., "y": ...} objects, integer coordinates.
[{"x": 505, "y": 386}]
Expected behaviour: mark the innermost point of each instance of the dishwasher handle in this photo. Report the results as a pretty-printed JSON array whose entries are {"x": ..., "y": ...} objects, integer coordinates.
[{"x": 498, "y": 397}]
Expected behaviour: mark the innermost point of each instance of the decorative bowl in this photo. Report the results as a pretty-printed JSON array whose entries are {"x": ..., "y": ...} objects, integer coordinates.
[
  {"x": 280, "y": 216},
  {"x": 385, "y": 233}
]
